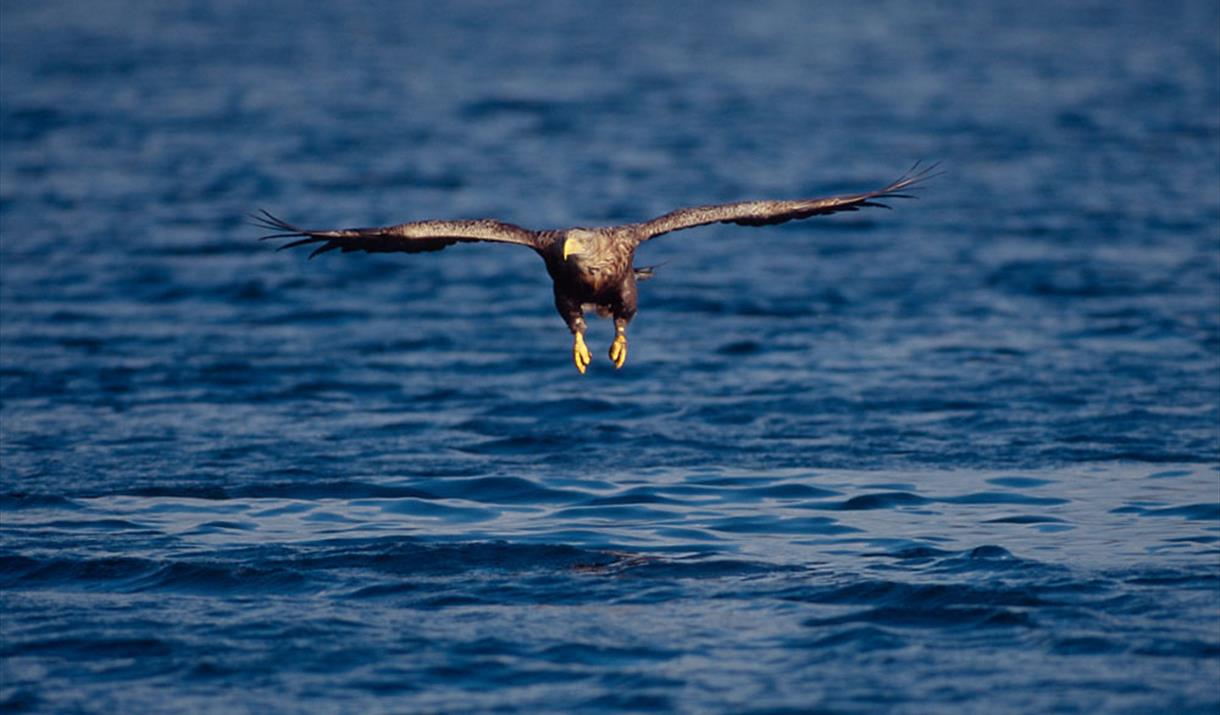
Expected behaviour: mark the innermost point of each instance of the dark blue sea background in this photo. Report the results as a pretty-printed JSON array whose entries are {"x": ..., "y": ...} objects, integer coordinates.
[{"x": 957, "y": 457}]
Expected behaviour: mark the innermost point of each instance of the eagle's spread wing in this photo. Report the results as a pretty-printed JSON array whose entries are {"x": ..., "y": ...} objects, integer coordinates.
[
  {"x": 414, "y": 237},
  {"x": 765, "y": 213}
]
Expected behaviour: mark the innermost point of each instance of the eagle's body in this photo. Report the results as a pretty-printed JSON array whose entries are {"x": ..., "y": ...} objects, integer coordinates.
[{"x": 590, "y": 267}]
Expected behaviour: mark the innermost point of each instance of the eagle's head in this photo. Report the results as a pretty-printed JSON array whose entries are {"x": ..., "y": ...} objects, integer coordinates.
[{"x": 578, "y": 242}]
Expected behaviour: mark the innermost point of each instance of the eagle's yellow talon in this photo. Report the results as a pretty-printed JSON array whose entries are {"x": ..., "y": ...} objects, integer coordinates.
[
  {"x": 580, "y": 353},
  {"x": 618, "y": 350}
]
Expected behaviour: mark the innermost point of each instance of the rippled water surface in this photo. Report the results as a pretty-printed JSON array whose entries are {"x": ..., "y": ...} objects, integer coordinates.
[{"x": 961, "y": 456}]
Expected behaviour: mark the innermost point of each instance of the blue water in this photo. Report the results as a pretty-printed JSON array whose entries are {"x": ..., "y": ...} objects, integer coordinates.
[{"x": 961, "y": 456}]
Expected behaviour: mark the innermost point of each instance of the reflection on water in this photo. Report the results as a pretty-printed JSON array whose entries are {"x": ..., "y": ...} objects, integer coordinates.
[{"x": 897, "y": 573}]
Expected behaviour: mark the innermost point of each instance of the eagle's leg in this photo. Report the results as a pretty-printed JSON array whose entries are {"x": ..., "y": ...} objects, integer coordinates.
[
  {"x": 618, "y": 348},
  {"x": 574, "y": 316},
  {"x": 580, "y": 352},
  {"x": 624, "y": 310}
]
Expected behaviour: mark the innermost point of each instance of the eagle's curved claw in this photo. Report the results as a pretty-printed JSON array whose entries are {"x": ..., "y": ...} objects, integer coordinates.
[
  {"x": 580, "y": 353},
  {"x": 618, "y": 350}
]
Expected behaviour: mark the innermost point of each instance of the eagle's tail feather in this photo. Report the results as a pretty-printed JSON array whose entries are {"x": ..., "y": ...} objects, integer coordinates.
[{"x": 643, "y": 273}]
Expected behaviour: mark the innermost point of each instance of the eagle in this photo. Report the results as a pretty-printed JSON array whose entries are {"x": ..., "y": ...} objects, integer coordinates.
[{"x": 589, "y": 267}]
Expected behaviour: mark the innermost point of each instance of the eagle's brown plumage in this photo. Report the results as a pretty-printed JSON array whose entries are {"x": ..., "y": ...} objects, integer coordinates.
[{"x": 590, "y": 267}]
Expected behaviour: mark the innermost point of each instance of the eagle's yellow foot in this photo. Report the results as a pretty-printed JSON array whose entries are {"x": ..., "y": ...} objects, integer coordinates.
[
  {"x": 618, "y": 350},
  {"x": 580, "y": 353}
]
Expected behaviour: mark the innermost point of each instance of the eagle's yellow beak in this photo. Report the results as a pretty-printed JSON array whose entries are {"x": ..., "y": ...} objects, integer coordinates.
[{"x": 571, "y": 245}]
